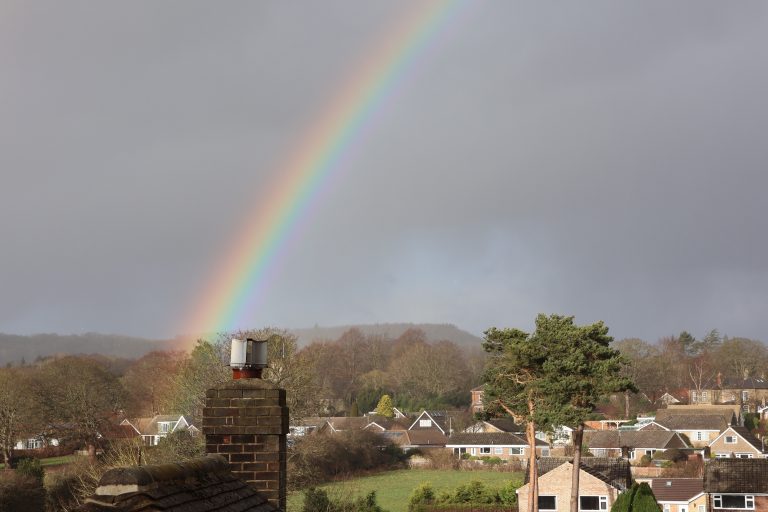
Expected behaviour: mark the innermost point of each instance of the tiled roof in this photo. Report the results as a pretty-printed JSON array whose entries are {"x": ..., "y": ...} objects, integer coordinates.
[
  {"x": 348, "y": 423},
  {"x": 387, "y": 423},
  {"x": 662, "y": 439},
  {"x": 200, "y": 485},
  {"x": 489, "y": 439},
  {"x": 676, "y": 489},
  {"x": 505, "y": 425},
  {"x": 612, "y": 471},
  {"x": 426, "y": 437},
  {"x": 736, "y": 476},
  {"x": 728, "y": 412},
  {"x": 694, "y": 422},
  {"x": 748, "y": 383}
]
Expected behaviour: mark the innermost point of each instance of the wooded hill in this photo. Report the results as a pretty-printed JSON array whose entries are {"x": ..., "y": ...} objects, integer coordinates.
[{"x": 14, "y": 348}]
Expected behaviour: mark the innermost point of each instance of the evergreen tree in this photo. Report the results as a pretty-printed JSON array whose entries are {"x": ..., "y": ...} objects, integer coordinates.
[
  {"x": 638, "y": 498},
  {"x": 385, "y": 407}
]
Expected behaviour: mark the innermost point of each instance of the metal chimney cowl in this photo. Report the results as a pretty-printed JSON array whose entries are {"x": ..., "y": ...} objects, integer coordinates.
[{"x": 248, "y": 358}]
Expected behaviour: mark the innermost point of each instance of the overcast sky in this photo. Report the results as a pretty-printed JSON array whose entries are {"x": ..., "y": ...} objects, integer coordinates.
[{"x": 607, "y": 160}]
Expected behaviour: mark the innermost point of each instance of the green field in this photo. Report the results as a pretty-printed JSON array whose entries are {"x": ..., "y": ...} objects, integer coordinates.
[
  {"x": 394, "y": 487},
  {"x": 52, "y": 461}
]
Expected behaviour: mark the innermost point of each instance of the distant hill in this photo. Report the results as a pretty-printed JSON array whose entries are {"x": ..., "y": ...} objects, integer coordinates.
[
  {"x": 434, "y": 332},
  {"x": 15, "y": 347}
]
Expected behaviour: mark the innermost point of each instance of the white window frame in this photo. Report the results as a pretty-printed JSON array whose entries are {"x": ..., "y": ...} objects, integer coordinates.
[
  {"x": 516, "y": 451},
  {"x": 694, "y": 396},
  {"x": 749, "y": 501},
  {"x": 485, "y": 450},
  {"x": 743, "y": 455},
  {"x": 703, "y": 396},
  {"x": 498, "y": 450},
  {"x": 163, "y": 427},
  {"x": 425, "y": 423},
  {"x": 720, "y": 455},
  {"x": 666, "y": 507},
  {"x": 745, "y": 396},
  {"x": 699, "y": 435},
  {"x": 602, "y": 503},
  {"x": 733, "y": 440},
  {"x": 702, "y": 508},
  {"x": 549, "y": 496}
]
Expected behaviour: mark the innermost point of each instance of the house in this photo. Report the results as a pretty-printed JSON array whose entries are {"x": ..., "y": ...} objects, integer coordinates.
[
  {"x": 495, "y": 425},
  {"x": 737, "y": 442},
  {"x": 476, "y": 404},
  {"x": 153, "y": 429},
  {"x": 383, "y": 424},
  {"x": 633, "y": 445},
  {"x": 604, "y": 424},
  {"x": 424, "y": 439},
  {"x": 600, "y": 482},
  {"x": 433, "y": 420},
  {"x": 731, "y": 413},
  {"x": 700, "y": 429},
  {"x": 339, "y": 424},
  {"x": 680, "y": 494},
  {"x": 667, "y": 399},
  {"x": 747, "y": 393},
  {"x": 736, "y": 484},
  {"x": 505, "y": 445}
]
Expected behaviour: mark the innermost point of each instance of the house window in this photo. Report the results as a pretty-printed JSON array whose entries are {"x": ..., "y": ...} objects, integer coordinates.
[
  {"x": 702, "y": 508},
  {"x": 545, "y": 452},
  {"x": 743, "y": 455},
  {"x": 163, "y": 427},
  {"x": 733, "y": 501},
  {"x": 721, "y": 455},
  {"x": 699, "y": 436},
  {"x": 515, "y": 451},
  {"x": 730, "y": 439},
  {"x": 666, "y": 507},
  {"x": 485, "y": 450},
  {"x": 694, "y": 397},
  {"x": 547, "y": 502},
  {"x": 472, "y": 451},
  {"x": 745, "y": 396},
  {"x": 498, "y": 450},
  {"x": 703, "y": 396},
  {"x": 425, "y": 423},
  {"x": 593, "y": 502}
]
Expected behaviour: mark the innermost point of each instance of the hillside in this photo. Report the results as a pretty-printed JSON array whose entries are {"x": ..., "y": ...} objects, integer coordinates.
[
  {"x": 434, "y": 332},
  {"x": 15, "y": 347}
]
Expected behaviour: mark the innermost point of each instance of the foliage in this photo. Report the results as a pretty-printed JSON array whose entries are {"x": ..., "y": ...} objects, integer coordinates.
[
  {"x": 424, "y": 494},
  {"x": 317, "y": 500},
  {"x": 16, "y": 408},
  {"x": 638, "y": 498},
  {"x": 31, "y": 468},
  {"x": 320, "y": 457},
  {"x": 385, "y": 407},
  {"x": 19, "y": 491},
  {"x": 203, "y": 369},
  {"x": 354, "y": 411},
  {"x": 645, "y": 460},
  {"x": 150, "y": 381}
]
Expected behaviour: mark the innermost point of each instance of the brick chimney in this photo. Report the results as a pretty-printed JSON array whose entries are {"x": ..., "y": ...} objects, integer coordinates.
[{"x": 246, "y": 421}]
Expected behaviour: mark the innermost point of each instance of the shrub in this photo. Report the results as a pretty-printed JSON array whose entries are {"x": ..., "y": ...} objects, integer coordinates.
[
  {"x": 645, "y": 461},
  {"x": 507, "y": 494},
  {"x": 317, "y": 500},
  {"x": 638, "y": 498},
  {"x": 473, "y": 492},
  {"x": 422, "y": 495},
  {"x": 19, "y": 491},
  {"x": 492, "y": 460},
  {"x": 31, "y": 468},
  {"x": 319, "y": 458}
]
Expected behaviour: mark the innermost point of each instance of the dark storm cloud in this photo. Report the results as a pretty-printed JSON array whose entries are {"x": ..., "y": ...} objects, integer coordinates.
[{"x": 596, "y": 159}]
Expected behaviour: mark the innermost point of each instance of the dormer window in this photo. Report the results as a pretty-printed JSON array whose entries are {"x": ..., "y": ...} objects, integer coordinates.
[
  {"x": 730, "y": 439},
  {"x": 425, "y": 423},
  {"x": 163, "y": 427}
]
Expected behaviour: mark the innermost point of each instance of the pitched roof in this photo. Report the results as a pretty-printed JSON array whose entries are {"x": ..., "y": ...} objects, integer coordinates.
[
  {"x": 149, "y": 426},
  {"x": 729, "y": 412},
  {"x": 747, "y": 436},
  {"x": 202, "y": 485},
  {"x": 748, "y": 383},
  {"x": 676, "y": 489},
  {"x": 425, "y": 437},
  {"x": 736, "y": 476},
  {"x": 505, "y": 425},
  {"x": 347, "y": 423},
  {"x": 439, "y": 419},
  {"x": 664, "y": 439},
  {"x": 387, "y": 423},
  {"x": 489, "y": 439},
  {"x": 694, "y": 422},
  {"x": 613, "y": 471}
]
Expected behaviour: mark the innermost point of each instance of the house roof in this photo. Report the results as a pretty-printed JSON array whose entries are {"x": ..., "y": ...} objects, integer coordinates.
[
  {"x": 505, "y": 425},
  {"x": 748, "y": 383},
  {"x": 729, "y": 412},
  {"x": 663, "y": 439},
  {"x": 425, "y": 437},
  {"x": 746, "y": 435},
  {"x": 149, "y": 426},
  {"x": 736, "y": 476},
  {"x": 613, "y": 471},
  {"x": 694, "y": 422},
  {"x": 202, "y": 485},
  {"x": 489, "y": 439},
  {"x": 439, "y": 419},
  {"x": 676, "y": 489},
  {"x": 123, "y": 431},
  {"x": 382, "y": 423},
  {"x": 347, "y": 423}
]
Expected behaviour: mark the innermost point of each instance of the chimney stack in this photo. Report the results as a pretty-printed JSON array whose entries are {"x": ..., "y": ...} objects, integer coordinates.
[{"x": 246, "y": 421}]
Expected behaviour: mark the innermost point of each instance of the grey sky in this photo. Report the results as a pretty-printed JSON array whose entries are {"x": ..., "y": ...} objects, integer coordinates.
[{"x": 601, "y": 159}]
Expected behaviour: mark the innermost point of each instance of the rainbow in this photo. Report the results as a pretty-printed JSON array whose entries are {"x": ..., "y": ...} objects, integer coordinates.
[{"x": 243, "y": 275}]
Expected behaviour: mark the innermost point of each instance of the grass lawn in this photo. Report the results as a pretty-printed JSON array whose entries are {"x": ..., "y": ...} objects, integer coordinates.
[
  {"x": 394, "y": 487},
  {"x": 53, "y": 461}
]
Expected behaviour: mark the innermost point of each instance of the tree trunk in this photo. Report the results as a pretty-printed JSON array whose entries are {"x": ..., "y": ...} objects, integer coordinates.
[
  {"x": 91, "y": 451},
  {"x": 533, "y": 470},
  {"x": 578, "y": 436},
  {"x": 626, "y": 404}
]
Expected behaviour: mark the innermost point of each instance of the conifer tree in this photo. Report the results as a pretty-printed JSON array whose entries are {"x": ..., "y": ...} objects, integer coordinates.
[{"x": 385, "y": 407}]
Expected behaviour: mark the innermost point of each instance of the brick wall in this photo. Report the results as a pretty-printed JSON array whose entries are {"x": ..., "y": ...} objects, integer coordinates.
[
  {"x": 246, "y": 421},
  {"x": 558, "y": 483}
]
